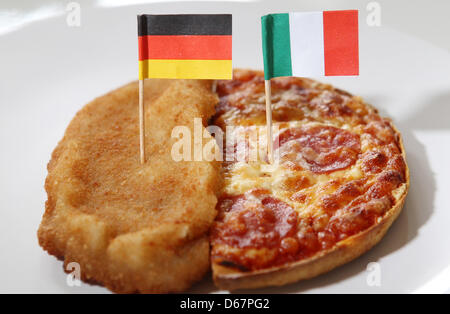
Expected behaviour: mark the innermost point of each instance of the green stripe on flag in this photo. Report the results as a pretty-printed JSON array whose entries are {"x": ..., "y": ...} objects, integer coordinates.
[{"x": 276, "y": 45}]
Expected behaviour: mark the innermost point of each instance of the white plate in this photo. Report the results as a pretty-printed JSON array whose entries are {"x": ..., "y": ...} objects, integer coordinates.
[{"x": 49, "y": 71}]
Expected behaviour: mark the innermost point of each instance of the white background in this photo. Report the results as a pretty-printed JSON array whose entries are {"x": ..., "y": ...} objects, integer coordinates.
[{"x": 49, "y": 70}]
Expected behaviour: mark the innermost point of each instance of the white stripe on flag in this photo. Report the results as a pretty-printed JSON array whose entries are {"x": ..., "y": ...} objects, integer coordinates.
[{"x": 307, "y": 52}]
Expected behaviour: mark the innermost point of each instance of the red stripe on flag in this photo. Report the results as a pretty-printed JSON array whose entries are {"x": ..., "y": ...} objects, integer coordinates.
[
  {"x": 187, "y": 47},
  {"x": 340, "y": 36}
]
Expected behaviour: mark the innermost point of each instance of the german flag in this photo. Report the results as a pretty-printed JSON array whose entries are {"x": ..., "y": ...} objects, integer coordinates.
[{"x": 185, "y": 46}]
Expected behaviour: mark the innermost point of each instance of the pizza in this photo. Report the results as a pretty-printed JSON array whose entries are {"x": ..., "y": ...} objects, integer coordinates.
[{"x": 338, "y": 181}]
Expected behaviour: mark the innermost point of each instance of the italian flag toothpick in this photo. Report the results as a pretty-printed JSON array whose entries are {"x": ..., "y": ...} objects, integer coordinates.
[
  {"x": 307, "y": 44},
  {"x": 310, "y": 43}
]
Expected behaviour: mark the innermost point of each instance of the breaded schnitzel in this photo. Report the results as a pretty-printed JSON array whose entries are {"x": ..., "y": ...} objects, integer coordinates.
[{"x": 133, "y": 227}]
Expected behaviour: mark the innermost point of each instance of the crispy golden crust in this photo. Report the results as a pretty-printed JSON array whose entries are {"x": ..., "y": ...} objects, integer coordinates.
[
  {"x": 132, "y": 227},
  {"x": 324, "y": 260}
]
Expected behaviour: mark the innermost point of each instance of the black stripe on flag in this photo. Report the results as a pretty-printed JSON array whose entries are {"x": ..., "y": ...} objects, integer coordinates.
[{"x": 184, "y": 24}]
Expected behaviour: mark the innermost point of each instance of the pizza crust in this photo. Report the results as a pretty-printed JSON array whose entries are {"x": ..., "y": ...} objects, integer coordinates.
[{"x": 342, "y": 252}]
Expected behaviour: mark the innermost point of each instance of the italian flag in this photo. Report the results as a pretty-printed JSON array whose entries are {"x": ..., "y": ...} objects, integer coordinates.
[{"x": 310, "y": 43}]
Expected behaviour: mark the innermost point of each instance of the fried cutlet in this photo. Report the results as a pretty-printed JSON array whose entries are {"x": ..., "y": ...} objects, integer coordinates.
[{"x": 133, "y": 227}]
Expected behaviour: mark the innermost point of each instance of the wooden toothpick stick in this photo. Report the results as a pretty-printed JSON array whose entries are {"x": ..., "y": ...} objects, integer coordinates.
[
  {"x": 269, "y": 120},
  {"x": 141, "y": 121},
  {"x": 214, "y": 86}
]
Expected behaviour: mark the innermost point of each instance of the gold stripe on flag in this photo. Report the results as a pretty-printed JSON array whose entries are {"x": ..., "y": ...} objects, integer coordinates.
[{"x": 185, "y": 69}]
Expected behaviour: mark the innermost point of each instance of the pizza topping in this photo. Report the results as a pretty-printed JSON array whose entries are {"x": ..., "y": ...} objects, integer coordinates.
[
  {"x": 374, "y": 161},
  {"x": 299, "y": 197},
  {"x": 296, "y": 183},
  {"x": 353, "y": 219},
  {"x": 239, "y": 151},
  {"x": 343, "y": 195},
  {"x": 381, "y": 131},
  {"x": 385, "y": 183},
  {"x": 255, "y": 220},
  {"x": 331, "y": 104},
  {"x": 289, "y": 245},
  {"x": 322, "y": 149},
  {"x": 397, "y": 162}
]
